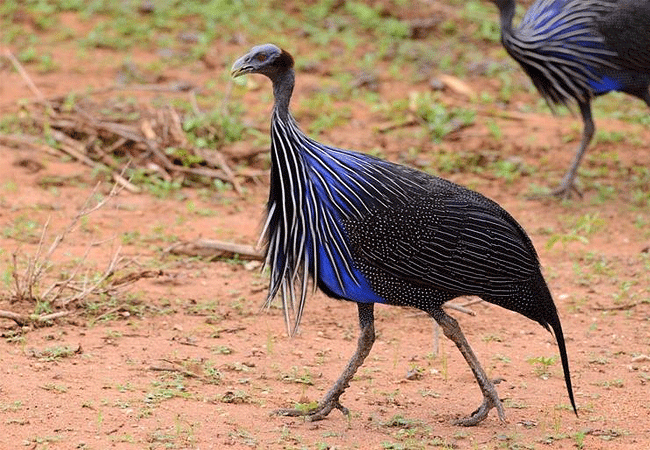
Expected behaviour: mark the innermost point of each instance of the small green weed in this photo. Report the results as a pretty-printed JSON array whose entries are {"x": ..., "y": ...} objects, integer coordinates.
[
  {"x": 56, "y": 388},
  {"x": 167, "y": 387},
  {"x": 373, "y": 20},
  {"x": 616, "y": 383},
  {"x": 296, "y": 377},
  {"x": 22, "y": 229},
  {"x": 222, "y": 350},
  {"x": 437, "y": 119},
  {"x": 582, "y": 227},
  {"x": 542, "y": 365},
  {"x": 510, "y": 170},
  {"x": 13, "y": 406},
  {"x": 306, "y": 406},
  {"x": 56, "y": 353},
  {"x": 236, "y": 397}
]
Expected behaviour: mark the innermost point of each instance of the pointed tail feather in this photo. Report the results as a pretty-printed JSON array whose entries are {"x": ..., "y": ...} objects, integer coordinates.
[
  {"x": 548, "y": 316},
  {"x": 559, "y": 336}
]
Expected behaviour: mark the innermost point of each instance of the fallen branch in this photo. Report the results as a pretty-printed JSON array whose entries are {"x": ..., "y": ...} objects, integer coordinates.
[
  {"x": 135, "y": 276},
  {"x": 401, "y": 124},
  {"x": 25, "y": 320},
  {"x": 625, "y": 307},
  {"x": 73, "y": 148},
  {"x": 123, "y": 306},
  {"x": 215, "y": 249},
  {"x": 103, "y": 136},
  {"x": 455, "y": 306},
  {"x": 126, "y": 184},
  {"x": 176, "y": 367},
  {"x": 20, "y": 319},
  {"x": 12, "y": 140}
]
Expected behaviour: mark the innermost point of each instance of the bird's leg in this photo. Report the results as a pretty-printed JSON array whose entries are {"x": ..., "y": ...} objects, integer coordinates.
[
  {"x": 491, "y": 400},
  {"x": 331, "y": 399},
  {"x": 566, "y": 186}
]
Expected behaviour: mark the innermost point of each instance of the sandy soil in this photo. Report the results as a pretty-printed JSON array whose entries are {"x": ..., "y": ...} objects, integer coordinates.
[{"x": 187, "y": 360}]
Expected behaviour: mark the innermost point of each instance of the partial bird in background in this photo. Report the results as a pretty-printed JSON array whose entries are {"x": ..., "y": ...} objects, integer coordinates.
[
  {"x": 370, "y": 231},
  {"x": 575, "y": 50}
]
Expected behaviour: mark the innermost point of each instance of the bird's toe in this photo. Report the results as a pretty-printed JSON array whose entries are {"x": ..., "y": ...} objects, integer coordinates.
[
  {"x": 314, "y": 414},
  {"x": 562, "y": 192},
  {"x": 481, "y": 413}
]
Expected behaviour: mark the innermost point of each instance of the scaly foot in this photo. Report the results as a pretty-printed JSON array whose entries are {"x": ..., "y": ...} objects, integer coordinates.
[
  {"x": 481, "y": 413},
  {"x": 564, "y": 191},
  {"x": 318, "y": 413}
]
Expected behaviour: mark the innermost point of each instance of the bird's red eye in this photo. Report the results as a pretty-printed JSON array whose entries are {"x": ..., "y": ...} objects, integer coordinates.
[{"x": 261, "y": 57}]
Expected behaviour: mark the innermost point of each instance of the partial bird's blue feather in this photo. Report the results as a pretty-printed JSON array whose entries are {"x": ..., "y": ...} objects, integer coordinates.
[
  {"x": 607, "y": 84},
  {"x": 319, "y": 187}
]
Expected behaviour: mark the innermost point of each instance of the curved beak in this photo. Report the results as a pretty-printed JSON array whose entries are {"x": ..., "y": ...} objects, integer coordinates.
[{"x": 241, "y": 67}]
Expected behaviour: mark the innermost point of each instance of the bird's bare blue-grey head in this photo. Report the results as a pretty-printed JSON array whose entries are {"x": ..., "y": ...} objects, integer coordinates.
[
  {"x": 275, "y": 63},
  {"x": 266, "y": 59}
]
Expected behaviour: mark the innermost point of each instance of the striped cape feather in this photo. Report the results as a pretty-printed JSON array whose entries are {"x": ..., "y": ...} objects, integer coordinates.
[
  {"x": 558, "y": 39},
  {"x": 314, "y": 188}
]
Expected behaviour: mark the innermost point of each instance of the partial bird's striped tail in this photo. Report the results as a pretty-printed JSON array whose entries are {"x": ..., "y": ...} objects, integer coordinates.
[{"x": 549, "y": 317}]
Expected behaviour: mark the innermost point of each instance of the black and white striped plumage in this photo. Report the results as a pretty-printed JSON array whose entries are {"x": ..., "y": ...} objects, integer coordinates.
[
  {"x": 574, "y": 50},
  {"x": 371, "y": 231}
]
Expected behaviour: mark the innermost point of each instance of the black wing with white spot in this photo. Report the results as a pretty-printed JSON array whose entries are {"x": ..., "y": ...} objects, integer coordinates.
[{"x": 450, "y": 239}]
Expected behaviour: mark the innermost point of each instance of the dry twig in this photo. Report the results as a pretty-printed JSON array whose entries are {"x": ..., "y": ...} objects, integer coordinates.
[
  {"x": 455, "y": 306},
  {"x": 215, "y": 249},
  {"x": 176, "y": 367},
  {"x": 102, "y": 135},
  {"x": 78, "y": 285},
  {"x": 28, "y": 80}
]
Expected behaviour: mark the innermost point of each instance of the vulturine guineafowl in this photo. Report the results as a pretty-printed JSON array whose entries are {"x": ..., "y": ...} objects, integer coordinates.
[
  {"x": 575, "y": 50},
  {"x": 370, "y": 231}
]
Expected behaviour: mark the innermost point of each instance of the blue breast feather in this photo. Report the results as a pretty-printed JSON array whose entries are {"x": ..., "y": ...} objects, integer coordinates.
[
  {"x": 336, "y": 181},
  {"x": 606, "y": 84}
]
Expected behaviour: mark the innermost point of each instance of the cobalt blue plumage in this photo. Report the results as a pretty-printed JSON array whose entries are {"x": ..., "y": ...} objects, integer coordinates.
[
  {"x": 371, "y": 231},
  {"x": 328, "y": 185},
  {"x": 575, "y": 50}
]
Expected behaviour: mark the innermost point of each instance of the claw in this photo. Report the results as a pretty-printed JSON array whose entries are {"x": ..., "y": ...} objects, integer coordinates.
[
  {"x": 318, "y": 413},
  {"x": 490, "y": 397},
  {"x": 342, "y": 408},
  {"x": 563, "y": 192},
  {"x": 482, "y": 412},
  {"x": 331, "y": 400}
]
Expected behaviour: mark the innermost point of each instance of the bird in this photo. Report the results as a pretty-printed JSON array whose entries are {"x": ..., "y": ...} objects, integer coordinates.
[
  {"x": 575, "y": 50},
  {"x": 366, "y": 230}
]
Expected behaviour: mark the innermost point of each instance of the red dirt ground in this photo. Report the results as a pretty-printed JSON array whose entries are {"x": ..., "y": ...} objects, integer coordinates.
[{"x": 202, "y": 368}]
